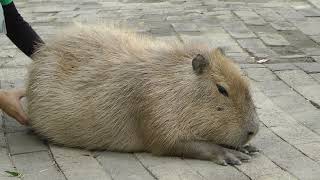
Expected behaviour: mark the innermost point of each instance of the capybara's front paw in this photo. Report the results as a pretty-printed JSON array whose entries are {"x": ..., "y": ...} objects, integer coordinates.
[
  {"x": 231, "y": 157},
  {"x": 249, "y": 149}
]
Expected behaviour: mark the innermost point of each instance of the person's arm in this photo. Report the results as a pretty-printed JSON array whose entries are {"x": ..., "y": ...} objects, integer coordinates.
[{"x": 18, "y": 30}]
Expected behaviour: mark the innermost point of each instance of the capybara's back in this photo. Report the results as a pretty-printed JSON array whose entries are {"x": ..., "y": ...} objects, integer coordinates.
[{"x": 97, "y": 87}]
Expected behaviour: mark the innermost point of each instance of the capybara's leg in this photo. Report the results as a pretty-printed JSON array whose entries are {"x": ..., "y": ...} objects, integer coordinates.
[{"x": 208, "y": 151}]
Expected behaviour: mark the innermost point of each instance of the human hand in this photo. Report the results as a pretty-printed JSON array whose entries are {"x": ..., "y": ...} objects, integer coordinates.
[{"x": 10, "y": 104}]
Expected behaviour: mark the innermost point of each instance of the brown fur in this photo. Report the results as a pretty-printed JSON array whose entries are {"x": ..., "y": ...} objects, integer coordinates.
[{"x": 105, "y": 88}]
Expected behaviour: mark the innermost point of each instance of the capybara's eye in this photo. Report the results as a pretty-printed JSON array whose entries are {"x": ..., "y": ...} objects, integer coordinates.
[{"x": 222, "y": 90}]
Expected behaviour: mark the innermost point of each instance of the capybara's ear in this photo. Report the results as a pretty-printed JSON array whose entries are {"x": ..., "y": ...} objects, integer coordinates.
[
  {"x": 219, "y": 50},
  {"x": 199, "y": 63}
]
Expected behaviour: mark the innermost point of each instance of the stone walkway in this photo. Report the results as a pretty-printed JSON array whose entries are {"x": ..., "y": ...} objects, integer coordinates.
[{"x": 286, "y": 88}]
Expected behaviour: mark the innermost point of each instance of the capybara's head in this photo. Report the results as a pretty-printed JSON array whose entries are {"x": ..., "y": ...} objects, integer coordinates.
[{"x": 225, "y": 110}]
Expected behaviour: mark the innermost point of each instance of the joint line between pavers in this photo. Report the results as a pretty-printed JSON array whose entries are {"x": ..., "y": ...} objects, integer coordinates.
[
  {"x": 148, "y": 170},
  {"x": 55, "y": 162}
]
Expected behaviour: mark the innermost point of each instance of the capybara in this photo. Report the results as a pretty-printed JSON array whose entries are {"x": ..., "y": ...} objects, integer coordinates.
[{"x": 104, "y": 88}]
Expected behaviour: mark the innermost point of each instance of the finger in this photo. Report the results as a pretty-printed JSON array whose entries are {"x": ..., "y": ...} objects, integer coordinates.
[{"x": 20, "y": 93}]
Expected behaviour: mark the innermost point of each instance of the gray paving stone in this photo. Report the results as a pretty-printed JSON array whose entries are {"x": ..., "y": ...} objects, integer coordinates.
[
  {"x": 22, "y": 142},
  {"x": 291, "y": 14},
  {"x": 310, "y": 92},
  {"x": 274, "y": 88},
  {"x": 309, "y": 67},
  {"x": 295, "y": 134},
  {"x": 256, "y": 47},
  {"x": 214, "y": 39},
  {"x": 250, "y": 17},
  {"x": 238, "y": 30},
  {"x": 78, "y": 164},
  {"x": 282, "y": 26},
  {"x": 269, "y": 15},
  {"x": 311, "y": 149},
  {"x": 309, "y": 12},
  {"x": 11, "y": 125},
  {"x": 316, "y": 58},
  {"x": 123, "y": 166},
  {"x": 314, "y": 51},
  {"x": 281, "y": 66},
  {"x": 260, "y": 167},
  {"x": 308, "y": 27},
  {"x": 309, "y": 118},
  {"x": 316, "y": 76},
  {"x": 245, "y": 66},
  {"x": 260, "y": 74},
  {"x": 208, "y": 170},
  {"x": 6, "y": 165},
  {"x": 286, "y": 156},
  {"x": 37, "y": 166},
  {"x": 273, "y": 39},
  {"x": 3, "y": 143},
  {"x": 296, "y": 78},
  {"x": 315, "y": 39},
  {"x": 185, "y": 27},
  {"x": 298, "y": 39},
  {"x": 315, "y": 3},
  {"x": 168, "y": 167},
  {"x": 292, "y": 103}
]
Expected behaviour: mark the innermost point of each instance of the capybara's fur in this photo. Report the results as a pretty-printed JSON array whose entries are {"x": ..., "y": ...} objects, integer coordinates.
[{"x": 97, "y": 87}]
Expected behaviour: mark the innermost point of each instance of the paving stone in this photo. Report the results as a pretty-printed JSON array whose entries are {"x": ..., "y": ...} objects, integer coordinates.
[
  {"x": 281, "y": 66},
  {"x": 274, "y": 88},
  {"x": 269, "y": 15},
  {"x": 311, "y": 150},
  {"x": 310, "y": 92},
  {"x": 245, "y": 66},
  {"x": 260, "y": 167},
  {"x": 250, "y": 17},
  {"x": 292, "y": 103},
  {"x": 309, "y": 118},
  {"x": 298, "y": 39},
  {"x": 3, "y": 143},
  {"x": 311, "y": 51},
  {"x": 168, "y": 167},
  {"x": 214, "y": 40},
  {"x": 282, "y": 26},
  {"x": 208, "y": 170},
  {"x": 295, "y": 134},
  {"x": 185, "y": 27},
  {"x": 22, "y": 142},
  {"x": 316, "y": 76},
  {"x": 37, "y": 166},
  {"x": 285, "y": 155},
  {"x": 309, "y": 12},
  {"x": 291, "y": 14},
  {"x": 315, "y": 39},
  {"x": 316, "y": 58},
  {"x": 78, "y": 164},
  {"x": 123, "y": 166},
  {"x": 6, "y": 165},
  {"x": 11, "y": 125},
  {"x": 296, "y": 78},
  {"x": 309, "y": 67},
  {"x": 12, "y": 73},
  {"x": 260, "y": 74},
  {"x": 315, "y": 3},
  {"x": 308, "y": 27},
  {"x": 238, "y": 30},
  {"x": 273, "y": 39},
  {"x": 256, "y": 47}
]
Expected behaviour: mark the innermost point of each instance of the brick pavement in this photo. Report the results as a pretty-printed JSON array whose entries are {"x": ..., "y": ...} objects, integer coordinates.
[{"x": 286, "y": 89}]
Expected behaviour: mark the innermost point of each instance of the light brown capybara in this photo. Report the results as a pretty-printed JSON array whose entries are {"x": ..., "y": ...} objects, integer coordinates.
[{"x": 98, "y": 87}]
